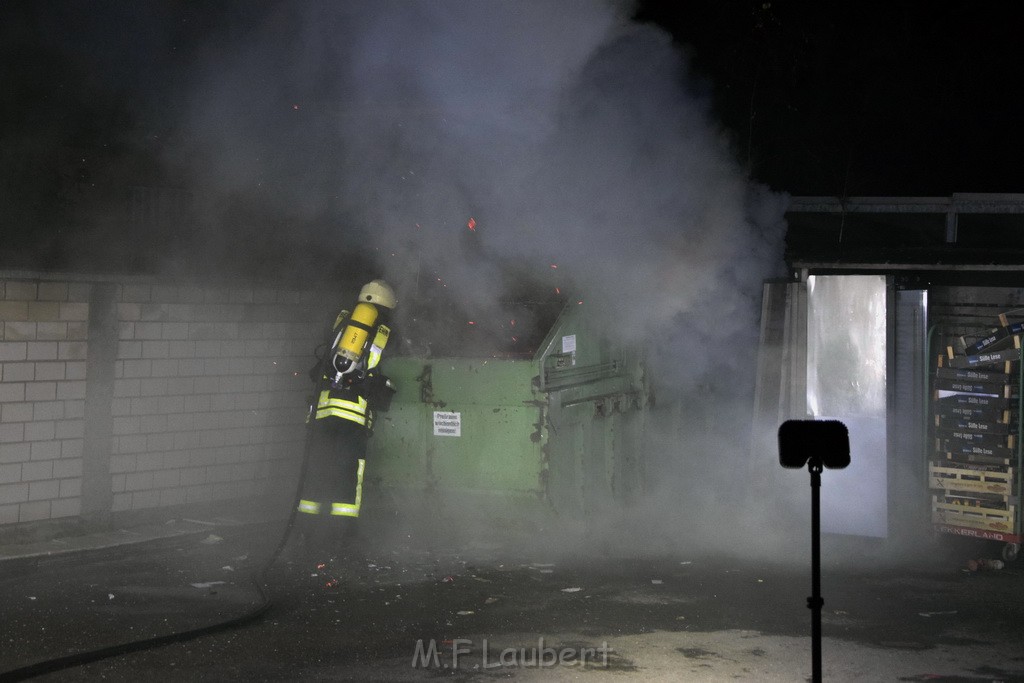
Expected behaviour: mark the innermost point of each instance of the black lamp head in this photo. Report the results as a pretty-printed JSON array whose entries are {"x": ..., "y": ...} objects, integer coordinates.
[{"x": 823, "y": 441}]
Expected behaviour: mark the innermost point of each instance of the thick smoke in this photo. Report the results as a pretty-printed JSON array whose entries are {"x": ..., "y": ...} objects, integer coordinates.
[
  {"x": 565, "y": 134},
  {"x": 568, "y": 134}
]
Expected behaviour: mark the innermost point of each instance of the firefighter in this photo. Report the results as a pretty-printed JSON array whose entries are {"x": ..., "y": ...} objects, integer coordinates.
[{"x": 349, "y": 388}]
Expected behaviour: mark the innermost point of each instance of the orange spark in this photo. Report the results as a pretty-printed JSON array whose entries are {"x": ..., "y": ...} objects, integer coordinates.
[{"x": 471, "y": 224}]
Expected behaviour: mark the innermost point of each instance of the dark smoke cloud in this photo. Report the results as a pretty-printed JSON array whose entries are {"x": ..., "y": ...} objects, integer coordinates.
[{"x": 569, "y": 134}]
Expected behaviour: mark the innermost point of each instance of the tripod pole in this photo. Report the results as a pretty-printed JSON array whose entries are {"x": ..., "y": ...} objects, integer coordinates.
[{"x": 815, "y": 602}]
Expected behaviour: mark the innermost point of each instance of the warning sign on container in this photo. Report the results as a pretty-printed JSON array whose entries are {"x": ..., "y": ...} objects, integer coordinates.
[{"x": 447, "y": 424}]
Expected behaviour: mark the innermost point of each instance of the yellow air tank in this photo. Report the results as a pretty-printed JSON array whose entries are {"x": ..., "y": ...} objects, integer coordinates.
[{"x": 353, "y": 338}]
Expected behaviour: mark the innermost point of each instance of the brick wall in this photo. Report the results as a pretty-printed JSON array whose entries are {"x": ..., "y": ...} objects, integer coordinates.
[
  {"x": 42, "y": 398},
  {"x": 118, "y": 396}
]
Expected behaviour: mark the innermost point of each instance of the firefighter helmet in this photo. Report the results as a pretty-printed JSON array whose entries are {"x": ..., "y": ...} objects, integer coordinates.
[{"x": 379, "y": 293}]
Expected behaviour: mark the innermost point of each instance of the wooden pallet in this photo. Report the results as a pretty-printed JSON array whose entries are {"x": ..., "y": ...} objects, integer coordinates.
[
  {"x": 968, "y": 480},
  {"x": 974, "y": 517},
  {"x": 975, "y": 384}
]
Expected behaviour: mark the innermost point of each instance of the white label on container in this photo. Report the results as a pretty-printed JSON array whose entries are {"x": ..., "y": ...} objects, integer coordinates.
[
  {"x": 447, "y": 424},
  {"x": 569, "y": 343}
]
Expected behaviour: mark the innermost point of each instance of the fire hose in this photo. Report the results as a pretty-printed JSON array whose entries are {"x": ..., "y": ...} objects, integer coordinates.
[{"x": 90, "y": 656}]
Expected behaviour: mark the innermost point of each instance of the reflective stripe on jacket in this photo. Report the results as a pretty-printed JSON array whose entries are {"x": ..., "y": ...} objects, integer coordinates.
[
  {"x": 327, "y": 406},
  {"x": 380, "y": 340}
]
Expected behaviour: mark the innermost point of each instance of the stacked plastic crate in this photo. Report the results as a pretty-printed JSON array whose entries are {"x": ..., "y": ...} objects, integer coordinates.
[{"x": 973, "y": 474}]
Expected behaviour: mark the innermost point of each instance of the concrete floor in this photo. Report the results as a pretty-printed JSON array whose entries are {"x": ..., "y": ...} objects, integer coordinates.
[{"x": 420, "y": 610}]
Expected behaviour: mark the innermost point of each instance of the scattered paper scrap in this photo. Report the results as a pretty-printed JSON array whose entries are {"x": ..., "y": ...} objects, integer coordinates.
[
  {"x": 206, "y": 584},
  {"x": 935, "y": 614},
  {"x": 211, "y": 539},
  {"x": 657, "y": 582},
  {"x": 574, "y": 589}
]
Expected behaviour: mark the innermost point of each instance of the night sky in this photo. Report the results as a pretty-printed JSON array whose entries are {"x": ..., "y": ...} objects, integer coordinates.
[
  {"x": 864, "y": 98},
  {"x": 840, "y": 99}
]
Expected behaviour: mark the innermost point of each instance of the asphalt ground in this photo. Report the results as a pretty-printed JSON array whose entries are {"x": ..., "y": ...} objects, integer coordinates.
[{"x": 422, "y": 610}]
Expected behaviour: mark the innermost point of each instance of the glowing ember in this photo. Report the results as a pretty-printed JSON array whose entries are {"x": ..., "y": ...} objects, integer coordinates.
[
  {"x": 558, "y": 290},
  {"x": 471, "y": 224},
  {"x": 295, "y": 107},
  {"x": 554, "y": 265},
  {"x": 472, "y": 323}
]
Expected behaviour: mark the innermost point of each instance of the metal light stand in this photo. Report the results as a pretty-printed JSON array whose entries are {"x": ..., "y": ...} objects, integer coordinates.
[
  {"x": 817, "y": 444},
  {"x": 815, "y": 602}
]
